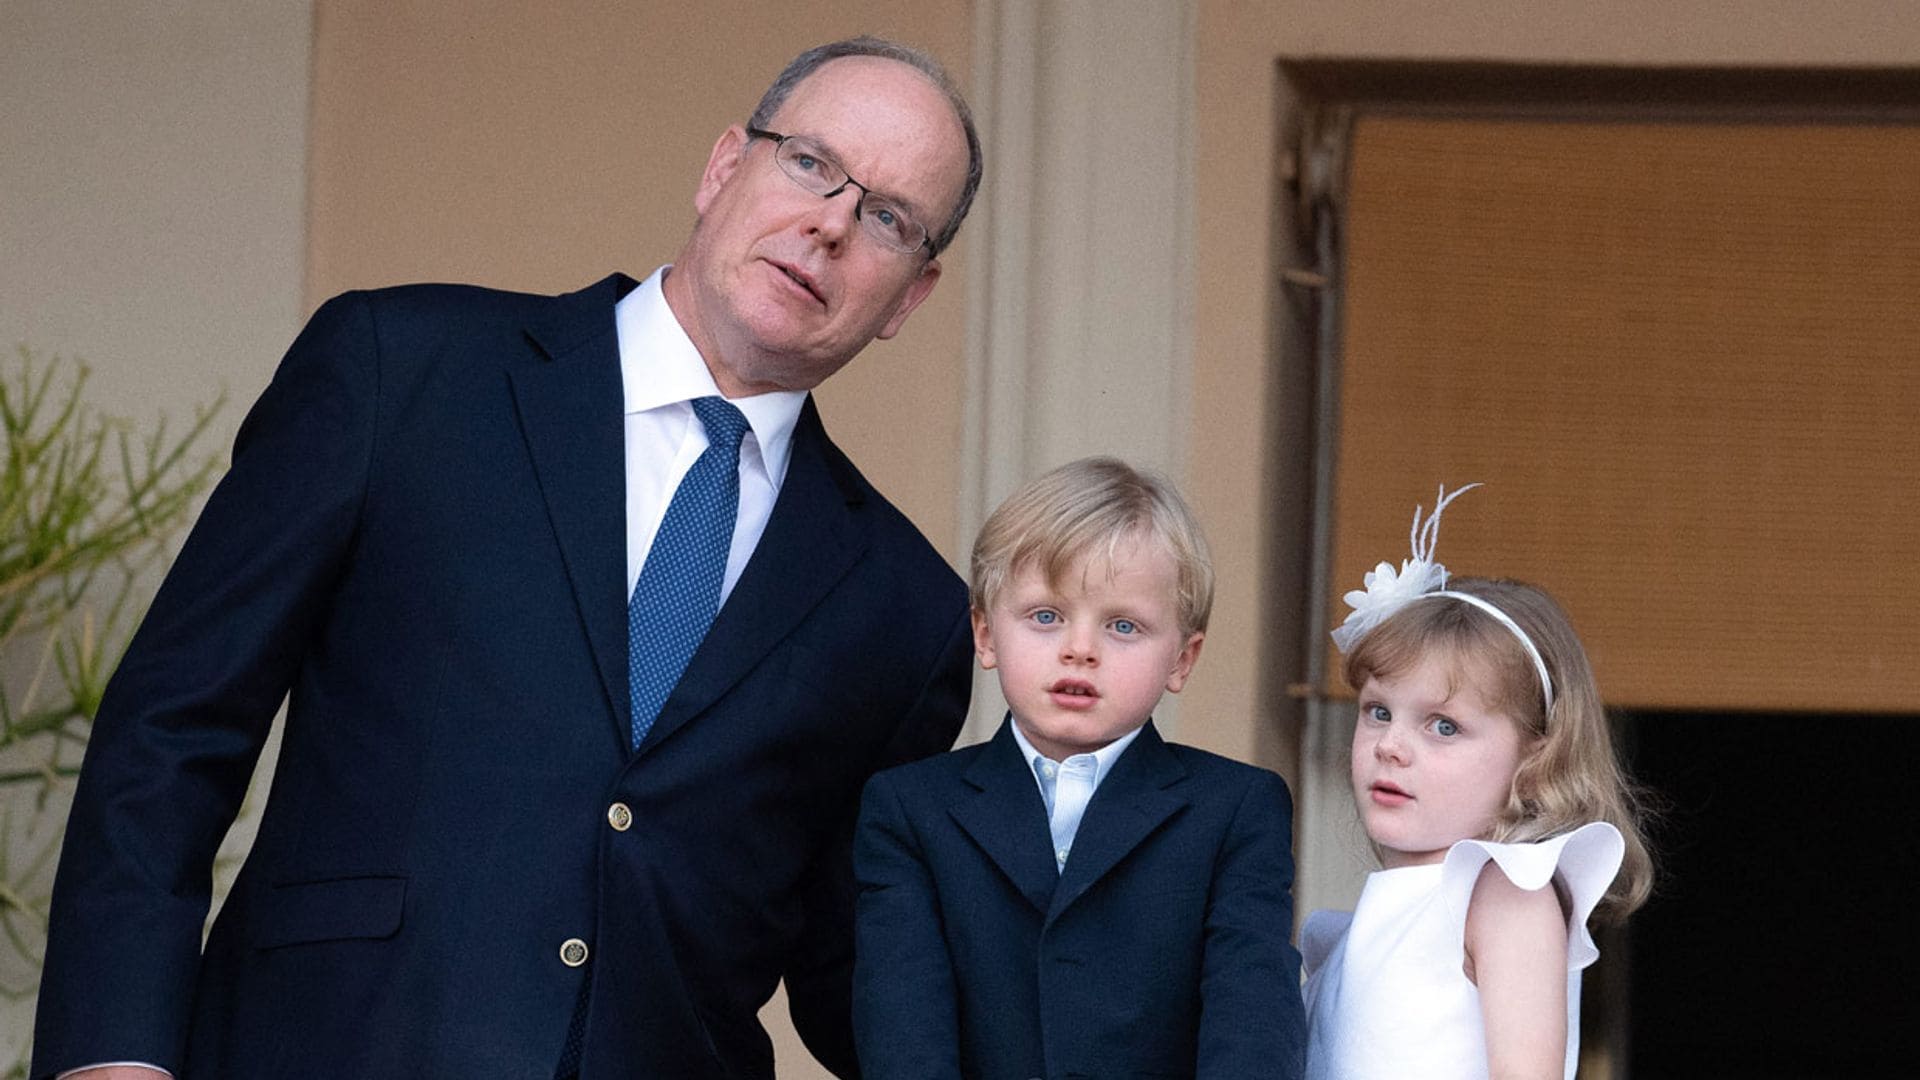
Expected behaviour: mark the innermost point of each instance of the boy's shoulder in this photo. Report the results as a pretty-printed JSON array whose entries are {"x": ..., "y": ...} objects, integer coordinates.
[
  {"x": 1205, "y": 764},
  {"x": 949, "y": 765}
]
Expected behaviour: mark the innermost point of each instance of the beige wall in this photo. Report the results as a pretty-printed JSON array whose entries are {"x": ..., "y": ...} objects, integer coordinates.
[{"x": 152, "y": 178}]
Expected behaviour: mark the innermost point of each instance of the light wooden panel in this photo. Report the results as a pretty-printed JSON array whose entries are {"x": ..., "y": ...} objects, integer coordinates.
[{"x": 1685, "y": 359}]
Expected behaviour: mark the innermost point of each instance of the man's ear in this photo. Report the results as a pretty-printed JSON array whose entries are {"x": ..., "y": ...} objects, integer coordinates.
[
  {"x": 729, "y": 150},
  {"x": 921, "y": 288},
  {"x": 983, "y": 641},
  {"x": 1183, "y": 664}
]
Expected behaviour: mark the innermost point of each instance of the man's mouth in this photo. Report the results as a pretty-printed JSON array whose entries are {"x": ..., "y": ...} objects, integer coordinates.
[{"x": 802, "y": 280}]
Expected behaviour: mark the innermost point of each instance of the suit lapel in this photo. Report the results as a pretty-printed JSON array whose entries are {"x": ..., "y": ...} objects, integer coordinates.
[
  {"x": 812, "y": 539},
  {"x": 570, "y": 414},
  {"x": 1127, "y": 807},
  {"x": 1008, "y": 820}
]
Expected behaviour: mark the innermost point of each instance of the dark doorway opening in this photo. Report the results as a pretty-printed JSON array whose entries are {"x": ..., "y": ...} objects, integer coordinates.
[{"x": 1781, "y": 940}]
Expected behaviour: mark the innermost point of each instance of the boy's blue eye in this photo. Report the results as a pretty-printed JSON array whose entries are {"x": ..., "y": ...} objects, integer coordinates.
[
  {"x": 1125, "y": 626},
  {"x": 1446, "y": 727},
  {"x": 1046, "y": 618},
  {"x": 1378, "y": 713}
]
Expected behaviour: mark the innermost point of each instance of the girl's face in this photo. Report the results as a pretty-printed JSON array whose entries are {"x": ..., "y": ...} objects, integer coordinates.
[{"x": 1432, "y": 763}]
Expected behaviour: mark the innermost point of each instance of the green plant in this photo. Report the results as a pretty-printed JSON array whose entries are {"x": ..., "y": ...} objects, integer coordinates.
[{"x": 88, "y": 504}]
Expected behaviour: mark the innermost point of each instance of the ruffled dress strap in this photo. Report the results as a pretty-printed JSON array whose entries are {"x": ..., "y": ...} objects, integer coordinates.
[{"x": 1585, "y": 860}]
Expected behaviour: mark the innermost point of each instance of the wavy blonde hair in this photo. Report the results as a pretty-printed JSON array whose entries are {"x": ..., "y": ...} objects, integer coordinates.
[{"x": 1572, "y": 775}]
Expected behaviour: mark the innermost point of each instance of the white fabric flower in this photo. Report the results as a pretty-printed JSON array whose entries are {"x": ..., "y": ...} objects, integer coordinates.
[{"x": 1387, "y": 591}]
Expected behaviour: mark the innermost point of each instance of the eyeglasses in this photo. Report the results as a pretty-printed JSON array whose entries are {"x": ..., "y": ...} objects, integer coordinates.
[{"x": 807, "y": 164}]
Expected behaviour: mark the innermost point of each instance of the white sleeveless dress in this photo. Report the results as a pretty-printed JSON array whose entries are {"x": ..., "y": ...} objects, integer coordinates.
[{"x": 1385, "y": 993}]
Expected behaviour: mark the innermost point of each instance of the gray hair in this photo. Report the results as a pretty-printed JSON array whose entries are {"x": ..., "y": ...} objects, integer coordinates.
[{"x": 810, "y": 61}]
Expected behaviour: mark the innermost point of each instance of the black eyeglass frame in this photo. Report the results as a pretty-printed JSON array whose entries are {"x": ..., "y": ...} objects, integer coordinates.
[{"x": 926, "y": 235}]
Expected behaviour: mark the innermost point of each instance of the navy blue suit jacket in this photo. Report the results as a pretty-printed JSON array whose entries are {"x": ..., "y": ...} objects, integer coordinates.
[
  {"x": 422, "y": 541},
  {"x": 1163, "y": 949}
]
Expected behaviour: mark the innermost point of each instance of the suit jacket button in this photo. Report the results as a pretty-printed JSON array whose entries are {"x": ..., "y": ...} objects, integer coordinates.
[
  {"x": 620, "y": 817},
  {"x": 573, "y": 952}
]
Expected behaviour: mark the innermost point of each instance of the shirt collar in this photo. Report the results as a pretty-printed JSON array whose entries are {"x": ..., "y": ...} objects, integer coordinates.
[
  {"x": 1103, "y": 758},
  {"x": 660, "y": 366}
]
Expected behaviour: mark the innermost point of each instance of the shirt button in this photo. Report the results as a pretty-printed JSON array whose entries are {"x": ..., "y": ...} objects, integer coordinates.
[
  {"x": 1049, "y": 768},
  {"x": 620, "y": 817},
  {"x": 573, "y": 952},
  {"x": 1060, "y": 856}
]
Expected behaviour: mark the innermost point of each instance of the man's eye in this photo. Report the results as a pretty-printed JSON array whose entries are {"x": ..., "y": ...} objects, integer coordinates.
[{"x": 807, "y": 162}]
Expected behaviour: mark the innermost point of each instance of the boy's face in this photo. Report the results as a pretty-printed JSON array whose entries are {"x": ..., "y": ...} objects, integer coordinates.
[{"x": 1084, "y": 662}]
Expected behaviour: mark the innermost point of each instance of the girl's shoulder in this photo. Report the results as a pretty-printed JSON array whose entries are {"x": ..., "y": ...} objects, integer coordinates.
[{"x": 1583, "y": 862}]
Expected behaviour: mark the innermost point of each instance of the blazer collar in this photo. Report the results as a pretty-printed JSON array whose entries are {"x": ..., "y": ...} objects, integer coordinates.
[
  {"x": 1008, "y": 819},
  {"x": 1128, "y": 806},
  {"x": 570, "y": 405}
]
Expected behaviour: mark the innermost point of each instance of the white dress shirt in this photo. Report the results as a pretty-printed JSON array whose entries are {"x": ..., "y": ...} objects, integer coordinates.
[
  {"x": 661, "y": 372},
  {"x": 1067, "y": 786}
]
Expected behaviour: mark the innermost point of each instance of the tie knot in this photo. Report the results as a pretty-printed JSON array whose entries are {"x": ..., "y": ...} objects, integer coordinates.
[{"x": 725, "y": 423}]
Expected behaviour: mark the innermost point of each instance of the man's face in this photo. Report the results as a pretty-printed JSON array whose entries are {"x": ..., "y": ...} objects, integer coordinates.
[{"x": 778, "y": 287}]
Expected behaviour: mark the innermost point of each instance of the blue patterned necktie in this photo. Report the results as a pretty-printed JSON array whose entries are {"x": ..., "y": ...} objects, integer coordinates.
[{"x": 678, "y": 592}]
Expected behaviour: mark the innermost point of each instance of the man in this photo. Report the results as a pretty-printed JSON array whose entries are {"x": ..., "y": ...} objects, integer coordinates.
[{"x": 530, "y": 819}]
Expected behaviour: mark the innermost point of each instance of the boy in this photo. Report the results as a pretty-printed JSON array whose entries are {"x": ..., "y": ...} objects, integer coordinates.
[{"x": 1077, "y": 897}]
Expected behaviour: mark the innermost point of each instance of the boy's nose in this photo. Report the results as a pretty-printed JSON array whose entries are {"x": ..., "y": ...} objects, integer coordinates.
[{"x": 1076, "y": 650}]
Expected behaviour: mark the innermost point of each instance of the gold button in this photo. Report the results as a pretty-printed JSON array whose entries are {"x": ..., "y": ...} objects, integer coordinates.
[
  {"x": 620, "y": 817},
  {"x": 573, "y": 952}
]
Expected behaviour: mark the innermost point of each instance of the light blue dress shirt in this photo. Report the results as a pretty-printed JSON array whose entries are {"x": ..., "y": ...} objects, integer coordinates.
[{"x": 1067, "y": 786}]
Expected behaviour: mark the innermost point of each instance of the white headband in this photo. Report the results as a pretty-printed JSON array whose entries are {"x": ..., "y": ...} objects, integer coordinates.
[{"x": 1387, "y": 592}]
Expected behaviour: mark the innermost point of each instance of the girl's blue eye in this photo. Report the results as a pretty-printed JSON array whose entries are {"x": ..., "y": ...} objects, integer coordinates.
[
  {"x": 1446, "y": 727},
  {"x": 1378, "y": 713},
  {"x": 1125, "y": 626},
  {"x": 1046, "y": 618}
]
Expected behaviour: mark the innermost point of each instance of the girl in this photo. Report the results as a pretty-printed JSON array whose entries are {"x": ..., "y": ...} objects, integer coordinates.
[{"x": 1483, "y": 773}]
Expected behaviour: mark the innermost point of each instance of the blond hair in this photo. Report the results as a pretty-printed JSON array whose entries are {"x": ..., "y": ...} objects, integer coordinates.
[
  {"x": 1571, "y": 775},
  {"x": 1090, "y": 507}
]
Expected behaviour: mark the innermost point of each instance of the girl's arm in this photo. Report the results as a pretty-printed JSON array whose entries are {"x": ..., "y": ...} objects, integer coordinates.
[{"x": 1516, "y": 943}]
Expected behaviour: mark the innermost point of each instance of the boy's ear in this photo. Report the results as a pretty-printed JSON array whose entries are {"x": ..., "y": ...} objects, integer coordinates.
[
  {"x": 983, "y": 640},
  {"x": 1183, "y": 664}
]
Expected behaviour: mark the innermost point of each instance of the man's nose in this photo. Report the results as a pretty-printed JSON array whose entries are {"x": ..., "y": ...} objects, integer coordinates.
[{"x": 835, "y": 218}]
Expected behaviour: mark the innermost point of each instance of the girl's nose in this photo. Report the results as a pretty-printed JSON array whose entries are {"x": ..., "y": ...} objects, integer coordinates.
[{"x": 1390, "y": 747}]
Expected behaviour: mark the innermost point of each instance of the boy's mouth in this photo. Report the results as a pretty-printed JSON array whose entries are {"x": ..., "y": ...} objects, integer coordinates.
[{"x": 1074, "y": 693}]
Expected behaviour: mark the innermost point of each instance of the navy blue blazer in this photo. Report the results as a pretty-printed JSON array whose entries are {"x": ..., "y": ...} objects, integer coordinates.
[
  {"x": 422, "y": 541},
  {"x": 1163, "y": 949}
]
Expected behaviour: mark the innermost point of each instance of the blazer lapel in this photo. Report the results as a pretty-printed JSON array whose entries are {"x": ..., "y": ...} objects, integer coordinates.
[
  {"x": 570, "y": 414},
  {"x": 1008, "y": 819},
  {"x": 1127, "y": 807},
  {"x": 812, "y": 539}
]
